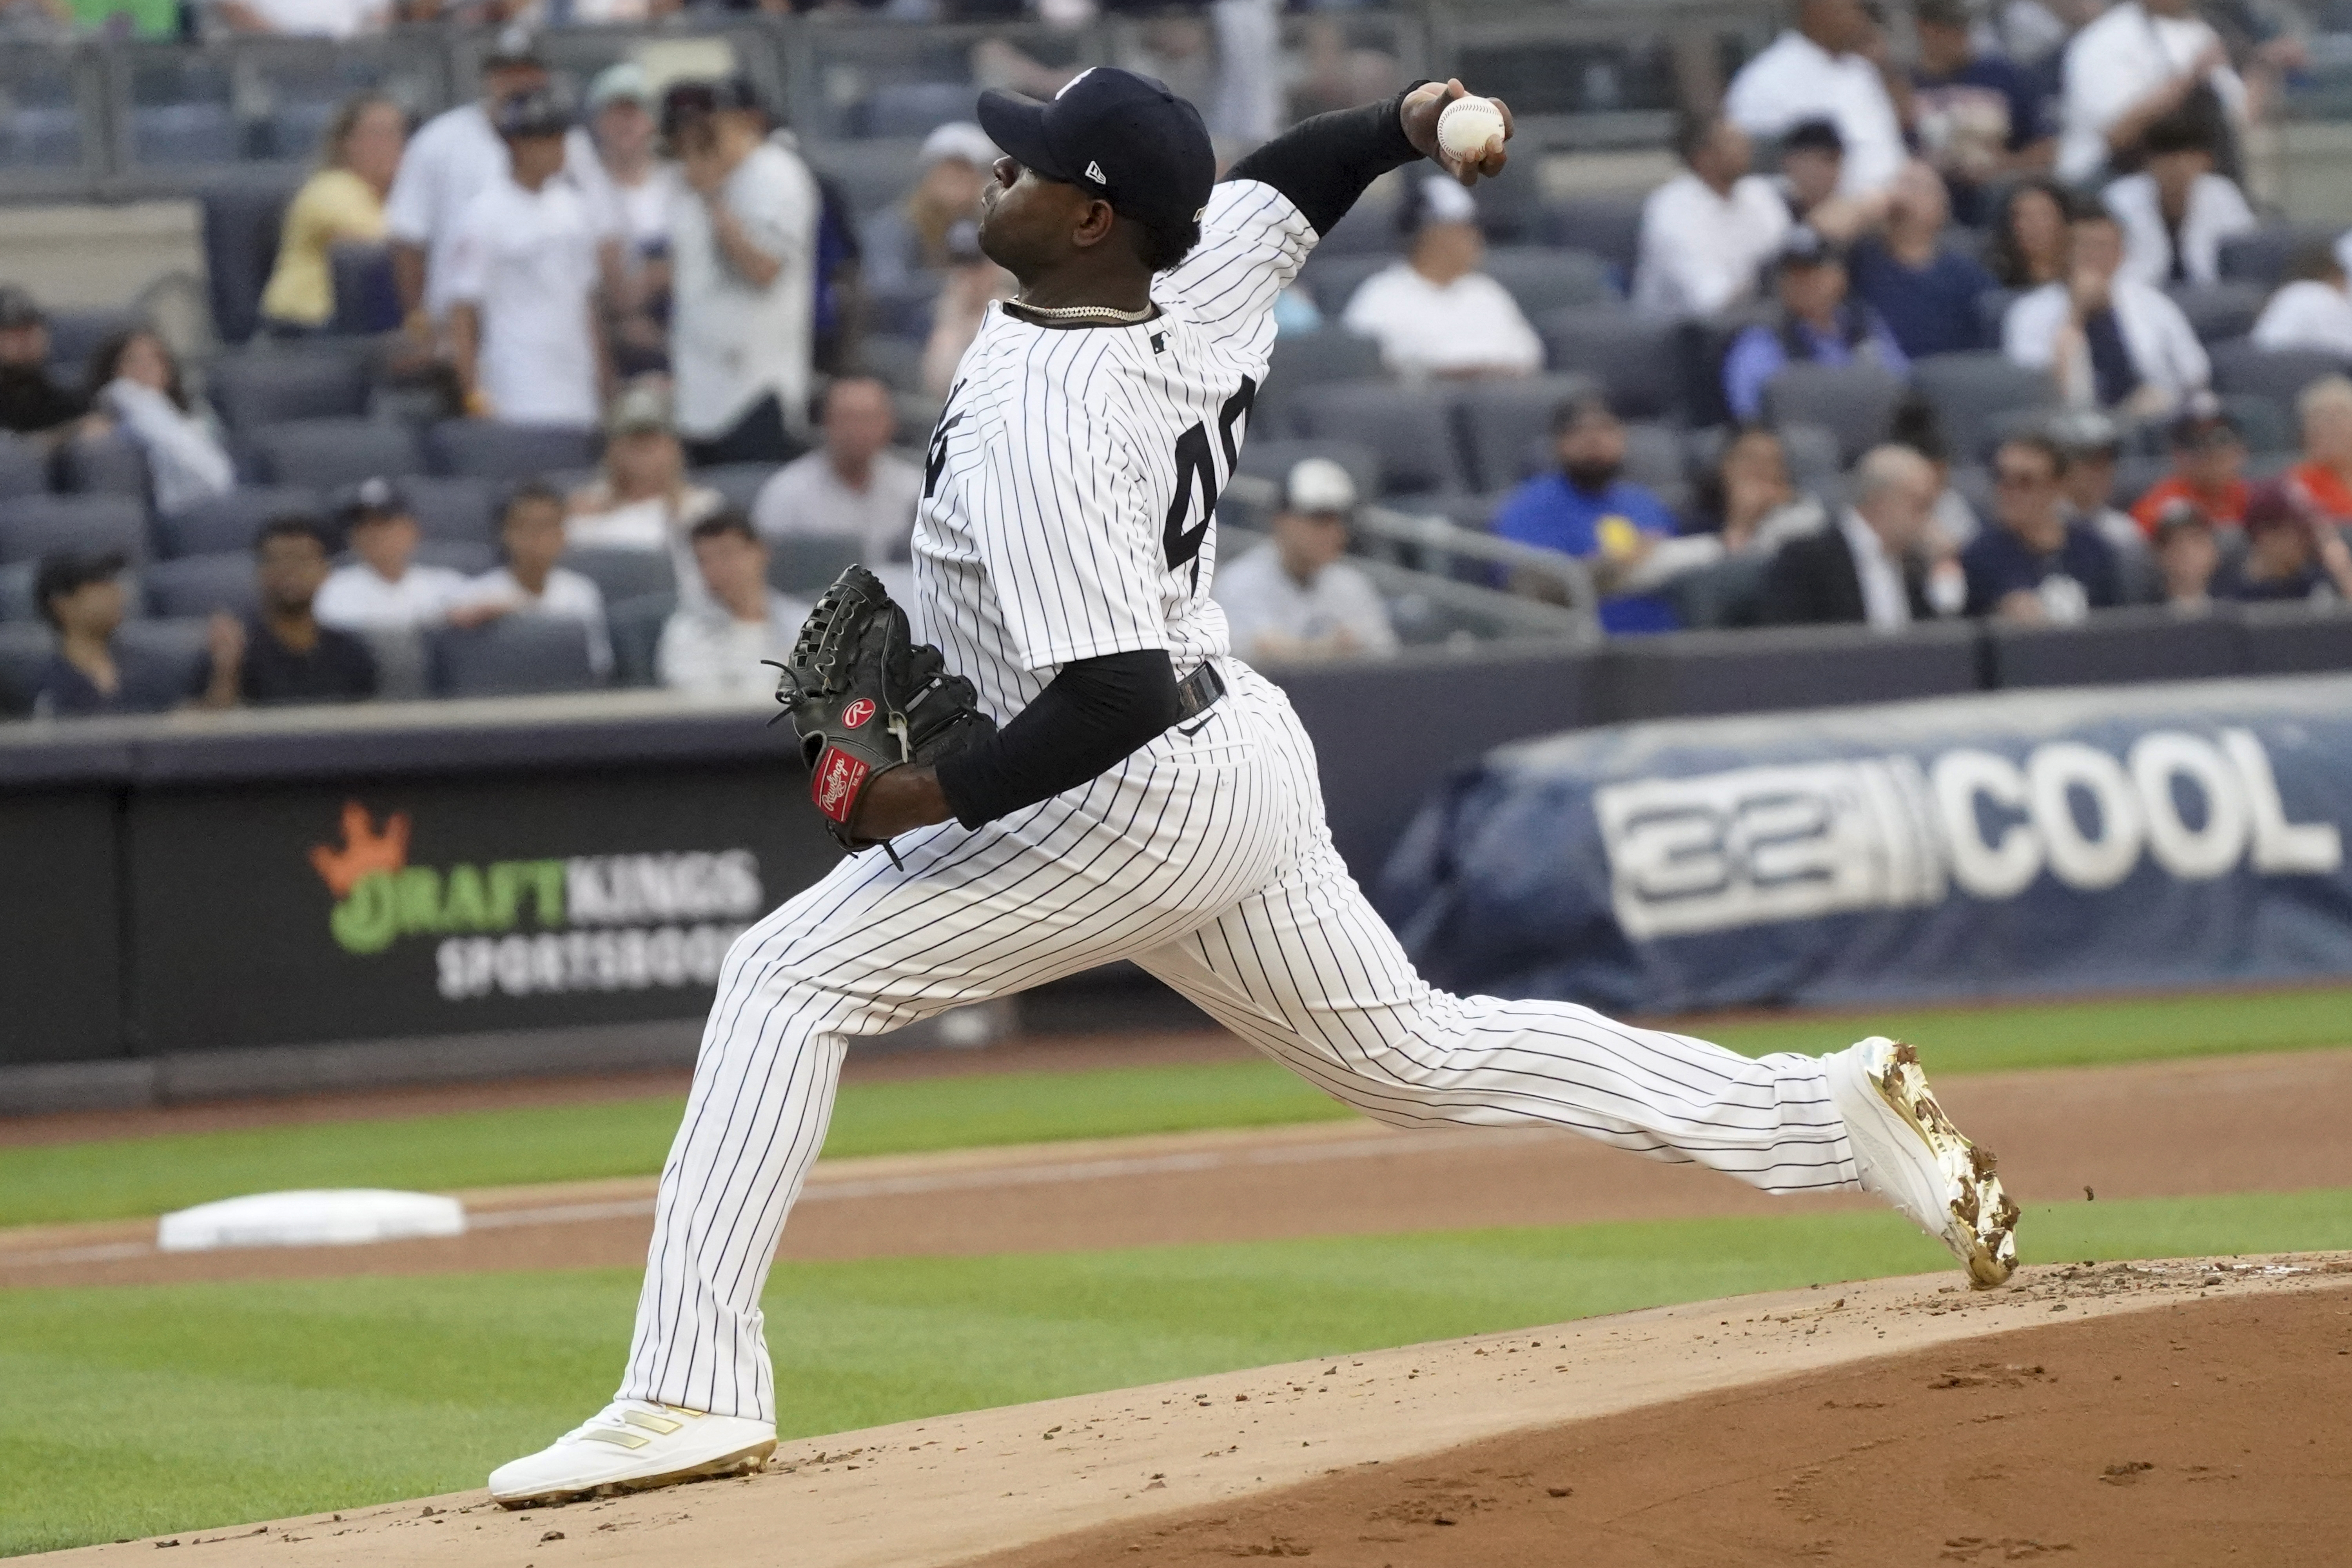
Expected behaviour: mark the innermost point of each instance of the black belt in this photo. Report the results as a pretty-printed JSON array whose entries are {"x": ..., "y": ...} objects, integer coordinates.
[{"x": 1198, "y": 692}]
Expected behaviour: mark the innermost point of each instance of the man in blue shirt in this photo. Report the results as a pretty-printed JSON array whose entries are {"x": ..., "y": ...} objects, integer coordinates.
[
  {"x": 2041, "y": 562},
  {"x": 1584, "y": 508},
  {"x": 1815, "y": 323},
  {"x": 1926, "y": 293},
  {"x": 1979, "y": 116}
]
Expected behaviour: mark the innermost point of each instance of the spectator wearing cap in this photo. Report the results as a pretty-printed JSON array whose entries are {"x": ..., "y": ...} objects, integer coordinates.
[
  {"x": 82, "y": 598},
  {"x": 1435, "y": 313},
  {"x": 2040, "y": 563},
  {"x": 973, "y": 283},
  {"x": 2291, "y": 554},
  {"x": 1829, "y": 63},
  {"x": 2188, "y": 558},
  {"x": 302, "y": 18},
  {"x": 2323, "y": 480},
  {"x": 2140, "y": 61},
  {"x": 1924, "y": 290},
  {"x": 2314, "y": 309},
  {"x": 911, "y": 236},
  {"x": 642, "y": 499},
  {"x": 530, "y": 583},
  {"x": 31, "y": 403},
  {"x": 1294, "y": 598},
  {"x": 714, "y": 647},
  {"x": 2208, "y": 470},
  {"x": 1707, "y": 232},
  {"x": 1813, "y": 172},
  {"x": 1588, "y": 509},
  {"x": 2093, "y": 445},
  {"x": 341, "y": 202},
  {"x": 283, "y": 654},
  {"x": 1815, "y": 323},
  {"x": 525, "y": 328},
  {"x": 743, "y": 277},
  {"x": 2110, "y": 340},
  {"x": 1976, "y": 113},
  {"x": 385, "y": 589},
  {"x": 2177, "y": 211},
  {"x": 135, "y": 381},
  {"x": 1873, "y": 568},
  {"x": 629, "y": 188},
  {"x": 853, "y": 486}
]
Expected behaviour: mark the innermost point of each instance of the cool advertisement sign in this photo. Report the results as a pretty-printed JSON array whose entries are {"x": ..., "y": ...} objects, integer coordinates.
[{"x": 2021, "y": 842}]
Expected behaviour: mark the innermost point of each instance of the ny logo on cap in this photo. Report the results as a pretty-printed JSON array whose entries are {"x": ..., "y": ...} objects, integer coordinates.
[{"x": 1093, "y": 172}]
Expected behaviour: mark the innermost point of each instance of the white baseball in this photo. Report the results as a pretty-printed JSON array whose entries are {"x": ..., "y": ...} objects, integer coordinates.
[{"x": 1466, "y": 125}]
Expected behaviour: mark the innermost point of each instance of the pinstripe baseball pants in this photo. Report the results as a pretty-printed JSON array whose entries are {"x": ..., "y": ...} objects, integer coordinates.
[{"x": 1205, "y": 860}]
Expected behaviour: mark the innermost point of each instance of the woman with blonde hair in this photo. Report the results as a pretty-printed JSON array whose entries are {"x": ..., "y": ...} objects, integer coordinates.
[
  {"x": 2323, "y": 480},
  {"x": 340, "y": 204}
]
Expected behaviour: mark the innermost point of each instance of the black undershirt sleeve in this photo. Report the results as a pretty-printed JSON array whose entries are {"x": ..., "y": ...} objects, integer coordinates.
[
  {"x": 1091, "y": 716},
  {"x": 1324, "y": 163}
]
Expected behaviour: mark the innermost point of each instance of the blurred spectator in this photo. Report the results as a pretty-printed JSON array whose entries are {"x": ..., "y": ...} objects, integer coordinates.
[
  {"x": 910, "y": 236},
  {"x": 643, "y": 499},
  {"x": 1872, "y": 568},
  {"x": 1585, "y": 508},
  {"x": 2093, "y": 444},
  {"x": 629, "y": 192},
  {"x": 2029, "y": 236},
  {"x": 2177, "y": 211},
  {"x": 283, "y": 654},
  {"x": 1829, "y": 63},
  {"x": 1924, "y": 290},
  {"x": 1812, "y": 170},
  {"x": 82, "y": 597},
  {"x": 1435, "y": 313},
  {"x": 524, "y": 328},
  {"x": 1294, "y": 598},
  {"x": 1815, "y": 323},
  {"x": 2186, "y": 559},
  {"x": 30, "y": 403},
  {"x": 340, "y": 204},
  {"x": 303, "y": 18},
  {"x": 973, "y": 283},
  {"x": 2208, "y": 470},
  {"x": 713, "y": 648},
  {"x": 135, "y": 380},
  {"x": 2039, "y": 564},
  {"x": 2314, "y": 311},
  {"x": 2110, "y": 340},
  {"x": 2324, "y": 478},
  {"x": 385, "y": 589},
  {"x": 2137, "y": 63},
  {"x": 2291, "y": 554},
  {"x": 1918, "y": 428},
  {"x": 853, "y": 485},
  {"x": 531, "y": 538},
  {"x": 742, "y": 279},
  {"x": 1747, "y": 499},
  {"x": 1978, "y": 114},
  {"x": 1707, "y": 232}
]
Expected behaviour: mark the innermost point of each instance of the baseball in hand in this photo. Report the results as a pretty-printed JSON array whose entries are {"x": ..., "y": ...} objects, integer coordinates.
[{"x": 1465, "y": 126}]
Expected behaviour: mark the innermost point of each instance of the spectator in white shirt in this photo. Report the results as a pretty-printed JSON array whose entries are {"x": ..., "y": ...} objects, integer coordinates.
[
  {"x": 525, "y": 329},
  {"x": 643, "y": 499},
  {"x": 1435, "y": 313},
  {"x": 714, "y": 648},
  {"x": 2312, "y": 310},
  {"x": 743, "y": 277},
  {"x": 531, "y": 535},
  {"x": 2110, "y": 340},
  {"x": 629, "y": 192},
  {"x": 2139, "y": 62},
  {"x": 1829, "y": 63},
  {"x": 853, "y": 486},
  {"x": 303, "y": 18},
  {"x": 384, "y": 589},
  {"x": 1294, "y": 598},
  {"x": 2177, "y": 211},
  {"x": 136, "y": 379},
  {"x": 1707, "y": 232}
]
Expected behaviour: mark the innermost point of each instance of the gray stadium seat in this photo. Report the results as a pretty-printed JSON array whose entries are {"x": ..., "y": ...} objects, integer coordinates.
[
  {"x": 16, "y": 592},
  {"x": 805, "y": 564},
  {"x": 1274, "y": 458},
  {"x": 1543, "y": 279},
  {"x": 1334, "y": 279},
  {"x": 1368, "y": 229},
  {"x": 1976, "y": 394},
  {"x": 2219, "y": 311},
  {"x": 471, "y": 556},
  {"x": 271, "y": 385},
  {"x": 1813, "y": 456},
  {"x": 1992, "y": 312},
  {"x": 367, "y": 299},
  {"x": 403, "y": 671},
  {"x": 23, "y": 468},
  {"x": 512, "y": 656},
  {"x": 635, "y": 627},
  {"x": 74, "y": 335},
  {"x": 912, "y": 109},
  {"x": 1332, "y": 353},
  {"x": 1633, "y": 357},
  {"x": 1609, "y": 226},
  {"x": 330, "y": 453},
  {"x": 2242, "y": 370},
  {"x": 2115, "y": 646},
  {"x": 195, "y": 585},
  {"x": 110, "y": 465},
  {"x": 1855, "y": 402},
  {"x": 622, "y": 574},
  {"x": 1510, "y": 205},
  {"x": 25, "y": 649},
  {"x": 456, "y": 510},
  {"x": 34, "y": 526},
  {"x": 738, "y": 482},
  {"x": 897, "y": 359},
  {"x": 233, "y": 521},
  {"x": 2260, "y": 258},
  {"x": 487, "y": 449},
  {"x": 242, "y": 217},
  {"x": 1411, "y": 427},
  {"x": 186, "y": 134},
  {"x": 1507, "y": 427},
  {"x": 2295, "y": 640}
]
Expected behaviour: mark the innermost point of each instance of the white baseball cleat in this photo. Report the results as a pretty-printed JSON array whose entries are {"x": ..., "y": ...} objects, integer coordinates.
[
  {"x": 1908, "y": 1153},
  {"x": 631, "y": 1446}
]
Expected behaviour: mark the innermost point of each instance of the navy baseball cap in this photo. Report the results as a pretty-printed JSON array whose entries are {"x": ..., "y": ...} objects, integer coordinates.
[
  {"x": 1114, "y": 135},
  {"x": 535, "y": 112}
]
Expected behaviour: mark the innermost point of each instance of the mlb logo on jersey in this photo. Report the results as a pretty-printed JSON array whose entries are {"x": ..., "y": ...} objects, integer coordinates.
[
  {"x": 856, "y": 713},
  {"x": 835, "y": 787}
]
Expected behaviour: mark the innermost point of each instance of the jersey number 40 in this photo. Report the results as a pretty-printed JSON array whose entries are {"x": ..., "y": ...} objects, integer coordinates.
[{"x": 1196, "y": 480}]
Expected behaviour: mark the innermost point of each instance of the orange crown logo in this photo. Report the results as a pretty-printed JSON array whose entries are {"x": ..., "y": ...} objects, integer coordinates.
[{"x": 365, "y": 851}]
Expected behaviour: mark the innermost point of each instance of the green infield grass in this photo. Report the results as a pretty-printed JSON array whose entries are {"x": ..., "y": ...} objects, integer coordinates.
[
  {"x": 150, "y": 1409},
  {"x": 121, "y": 1177}
]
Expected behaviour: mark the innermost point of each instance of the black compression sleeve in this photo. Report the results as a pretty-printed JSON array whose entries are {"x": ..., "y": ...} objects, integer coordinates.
[
  {"x": 1323, "y": 164},
  {"x": 1091, "y": 716}
]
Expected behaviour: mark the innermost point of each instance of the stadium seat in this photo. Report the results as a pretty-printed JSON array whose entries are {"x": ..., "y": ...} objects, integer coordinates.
[
  {"x": 738, "y": 482},
  {"x": 512, "y": 656},
  {"x": 1701, "y": 343},
  {"x": 2295, "y": 640},
  {"x": 1609, "y": 226},
  {"x": 186, "y": 643},
  {"x": 2260, "y": 258},
  {"x": 454, "y": 509},
  {"x": 806, "y": 563},
  {"x": 1633, "y": 357},
  {"x": 1543, "y": 279},
  {"x": 1368, "y": 229},
  {"x": 2219, "y": 311},
  {"x": 903, "y": 308},
  {"x": 110, "y": 465},
  {"x": 471, "y": 556},
  {"x": 1811, "y": 453},
  {"x": 490, "y": 450},
  {"x": 24, "y": 467},
  {"x": 367, "y": 300},
  {"x": 330, "y": 453},
  {"x": 74, "y": 335},
  {"x": 1973, "y": 392},
  {"x": 1334, "y": 279},
  {"x": 25, "y": 649},
  {"x": 1992, "y": 310},
  {"x": 2242, "y": 370},
  {"x": 1854, "y": 401},
  {"x": 232, "y": 521},
  {"x": 622, "y": 574},
  {"x": 403, "y": 663},
  {"x": 271, "y": 385},
  {"x": 34, "y": 526},
  {"x": 636, "y": 627},
  {"x": 1510, "y": 205},
  {"x": 1411, "y": 427},
  {"x": 183, "y": 134},
  {"x": 1274, "y": 458},
  {"x": 242, "y": 216},
  {"x": 16, "y": 592},
  {"x": 1332, "y": 354},
  {"x": 1506, "y": 426},
  {"x": 295, "y": 128},
  {"x": 2114, "y": 646},
  {"x": 199, "y": 584},
  {"x": 912, "y": 109},
  {"x": 897, "y": 359}
]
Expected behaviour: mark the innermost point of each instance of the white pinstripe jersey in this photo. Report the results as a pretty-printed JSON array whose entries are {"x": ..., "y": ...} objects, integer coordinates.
[{"x": 1070, "y": 487}]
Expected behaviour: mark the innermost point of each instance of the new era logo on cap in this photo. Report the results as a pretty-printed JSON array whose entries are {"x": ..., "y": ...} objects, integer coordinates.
[{"x": 1093, "y": 172}]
